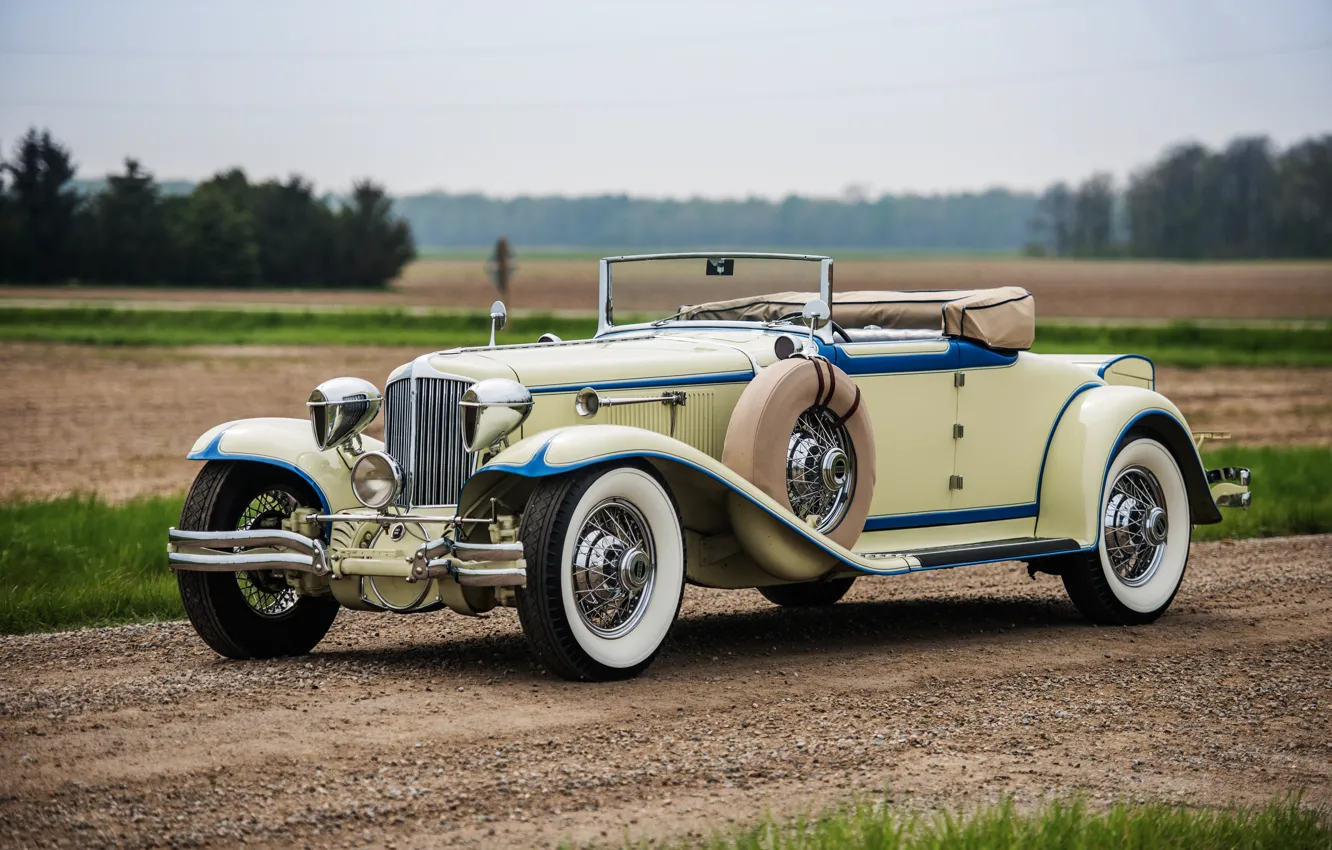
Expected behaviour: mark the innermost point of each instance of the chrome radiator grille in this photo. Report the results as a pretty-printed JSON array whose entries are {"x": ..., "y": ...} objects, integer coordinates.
[{"x": 424, "y": 439}]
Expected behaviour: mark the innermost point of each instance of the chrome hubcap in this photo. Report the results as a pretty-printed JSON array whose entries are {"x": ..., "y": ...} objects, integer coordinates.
[
  {"x": 1155, "y": 528},
  {"x": 819, "y": 469},
  {"x": 614, "y": 568},
  {"x": 1136, "y": 526}
]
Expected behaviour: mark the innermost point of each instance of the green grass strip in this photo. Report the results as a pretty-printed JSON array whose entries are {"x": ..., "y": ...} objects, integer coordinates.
[
  {"x": 1062, "y": 825},
  {"x": 1290, "y": 492},
  {"x": 429, "y": 331},
  {"x": 1179, "y": 344},
  {"x": 79, "y": 561},
  {"x": 1194, "y": 345}
]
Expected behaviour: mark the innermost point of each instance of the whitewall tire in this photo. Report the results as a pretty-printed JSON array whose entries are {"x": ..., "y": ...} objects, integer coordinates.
[
  {"x": 1143, "y": 543},
  {"x": 605, "y": 571}
]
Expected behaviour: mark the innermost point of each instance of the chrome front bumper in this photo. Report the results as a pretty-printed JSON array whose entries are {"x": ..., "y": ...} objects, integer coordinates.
[
  {"x": 473, "y": 564},
  {"x": 1230, "y": 486}
]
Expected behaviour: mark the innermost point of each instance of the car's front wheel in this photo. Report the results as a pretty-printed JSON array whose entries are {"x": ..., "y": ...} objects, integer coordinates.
[
  {"x": 249, "y": 614},
  {"x": 605, "y": 571},
  {"x": 1136, "y": 569}
]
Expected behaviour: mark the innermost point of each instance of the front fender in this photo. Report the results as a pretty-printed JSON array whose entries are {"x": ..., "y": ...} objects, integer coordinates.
[
  {"x": 714, "y": 501},
  {"x": 1078, "y": 458},
  {"x": 289, "y": 444}
]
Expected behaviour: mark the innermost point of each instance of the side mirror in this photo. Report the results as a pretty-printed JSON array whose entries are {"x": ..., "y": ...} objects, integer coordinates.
[
  {"x": 816, "y": 314},
  {"x": 499, "y": 316}
]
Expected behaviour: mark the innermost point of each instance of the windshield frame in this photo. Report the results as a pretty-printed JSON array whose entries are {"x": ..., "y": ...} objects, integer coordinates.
[{"x": 606, "y": 303}]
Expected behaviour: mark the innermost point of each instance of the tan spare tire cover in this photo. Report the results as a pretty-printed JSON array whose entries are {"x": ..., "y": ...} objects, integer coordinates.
[{"x": 761, "y": 426}]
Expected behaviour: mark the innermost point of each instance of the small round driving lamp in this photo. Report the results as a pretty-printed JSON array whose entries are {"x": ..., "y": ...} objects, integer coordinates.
[
  {"x": 376, "y": 480},
  {"x": 491, "y": 410}
]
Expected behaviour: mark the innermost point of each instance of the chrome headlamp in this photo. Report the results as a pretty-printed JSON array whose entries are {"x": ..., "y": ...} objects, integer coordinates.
[
  {"x": 491, "y": 410},
  {"x": 341, "y": 409},
  {"x": 376, "y": 480}
]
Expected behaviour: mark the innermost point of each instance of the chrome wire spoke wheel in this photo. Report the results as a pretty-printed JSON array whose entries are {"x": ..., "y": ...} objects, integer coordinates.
[
  {"x": 614, "y": 568},
  {"x": 266, "y": 592},
  {"x": 820, "y": 469},
  {"x": 1136, "y": 526}
]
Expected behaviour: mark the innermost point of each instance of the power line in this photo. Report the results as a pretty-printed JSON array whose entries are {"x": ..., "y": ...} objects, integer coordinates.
[
  {"x": 440, "y": 52},
  {"x": 604, "y": 104}
]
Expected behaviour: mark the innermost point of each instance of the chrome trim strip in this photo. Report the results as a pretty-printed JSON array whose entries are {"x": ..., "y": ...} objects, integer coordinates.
[
  {"x": 1234, "y": 474},
  {"x": 240, "y": 563},
  {"x": 191, "y": 541}
]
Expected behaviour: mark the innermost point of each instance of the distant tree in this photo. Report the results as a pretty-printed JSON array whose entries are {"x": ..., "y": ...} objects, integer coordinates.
[
  {"x": 373, "y": 245},
  {"x": 1304, "y": 204},
  {"x": 294, "y": 231},
  {"x": 215, "y": 231},
  {"x": 45, "y": 207},
  {"x": 1244, "y": 190},
  {"x": 1169, "y": 212},
  {"x": 1052, "y": 226},
  {"x": 1093, "y": 217},
  {"x": 130, "y": 239},
  {"x": 9, "y": 229}
]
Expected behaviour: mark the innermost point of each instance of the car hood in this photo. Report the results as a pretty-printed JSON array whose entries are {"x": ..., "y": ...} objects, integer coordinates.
[{"x": 621, "y": 360}]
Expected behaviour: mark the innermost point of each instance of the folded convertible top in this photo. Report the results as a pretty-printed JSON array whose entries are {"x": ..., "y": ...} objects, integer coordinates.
[{"x": 999, "y": 318}]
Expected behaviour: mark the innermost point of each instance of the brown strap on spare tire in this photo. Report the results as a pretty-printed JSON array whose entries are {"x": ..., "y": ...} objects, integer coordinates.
[{"x": 760, "y": 430}]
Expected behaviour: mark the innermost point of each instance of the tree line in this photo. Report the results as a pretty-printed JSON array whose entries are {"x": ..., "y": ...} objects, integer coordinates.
[
  {"x": 1245, "y": 201},
  {"x": 225, "y": 231},
  {"x": 989, "y": 221}
]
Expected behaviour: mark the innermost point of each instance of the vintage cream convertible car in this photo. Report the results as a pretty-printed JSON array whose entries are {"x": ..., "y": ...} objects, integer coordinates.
[{"x": 790, "y": 442}]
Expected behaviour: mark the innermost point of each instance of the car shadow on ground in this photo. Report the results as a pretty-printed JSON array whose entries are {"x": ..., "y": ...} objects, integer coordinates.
[{"x": 848, "y": 626}]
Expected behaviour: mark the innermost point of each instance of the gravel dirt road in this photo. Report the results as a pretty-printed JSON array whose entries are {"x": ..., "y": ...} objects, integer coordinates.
[
  {"x": 120, "y": 420},
  {"x": 947, "y": 688}
]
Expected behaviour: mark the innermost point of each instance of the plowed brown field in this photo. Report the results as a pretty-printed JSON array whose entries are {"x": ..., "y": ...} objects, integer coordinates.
[{"x": 1084, "y": 289}]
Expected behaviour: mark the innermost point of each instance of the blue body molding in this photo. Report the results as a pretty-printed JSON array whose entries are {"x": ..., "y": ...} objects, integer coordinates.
[
  {"x": 213, "y": 451},
  {"x": 538, "y": 467},
  {"x": 645, "y": 383},
  {"x": 958, "y": 517}
]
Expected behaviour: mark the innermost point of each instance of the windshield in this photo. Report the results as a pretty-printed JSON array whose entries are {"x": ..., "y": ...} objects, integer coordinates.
[{"x": 670, "y": 289}]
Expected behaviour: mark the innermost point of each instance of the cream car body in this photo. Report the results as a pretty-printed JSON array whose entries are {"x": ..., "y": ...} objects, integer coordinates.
[{"x": 983, "y": 454}]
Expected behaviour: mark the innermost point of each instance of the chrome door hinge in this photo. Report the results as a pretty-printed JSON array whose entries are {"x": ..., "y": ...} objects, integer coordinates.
[
  {"x": 959, "y": 379},
  {"x": 957, "y": 431},
  {"x": 955, "y": 482}
]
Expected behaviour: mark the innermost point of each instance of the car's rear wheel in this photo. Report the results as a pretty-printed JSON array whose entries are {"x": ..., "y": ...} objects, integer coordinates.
[
  {"x": 249, "y": 614},
  {"x": 809, "y": 594},
  {"x": 1143, "y": 547},
  {"x": 605, "y": 571}
]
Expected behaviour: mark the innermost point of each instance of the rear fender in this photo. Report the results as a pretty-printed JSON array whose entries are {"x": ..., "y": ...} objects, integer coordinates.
[
  {"x": 714, "y": 501},
  {"x": 1079, "y": 455},
  {"x": 288, "y": 444}
]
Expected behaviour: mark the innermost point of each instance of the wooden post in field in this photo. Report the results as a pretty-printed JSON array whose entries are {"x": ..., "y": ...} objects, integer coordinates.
[{"x": 501, "y": 267}]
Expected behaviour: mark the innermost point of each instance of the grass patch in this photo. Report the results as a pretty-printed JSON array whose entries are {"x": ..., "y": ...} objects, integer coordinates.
[
  {"x": 1179, "y": 344},
  {"x": 1290, "y": 492},
  {"x": 109, "y": 326},
  {"x": 79, "y": 561},
  {"x": 1284, "y": 824},
  {"x": 1195, "y": 345}
]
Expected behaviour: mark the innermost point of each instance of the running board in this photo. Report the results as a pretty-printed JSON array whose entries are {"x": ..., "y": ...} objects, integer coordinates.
[{"x": 1015, "y": 549}]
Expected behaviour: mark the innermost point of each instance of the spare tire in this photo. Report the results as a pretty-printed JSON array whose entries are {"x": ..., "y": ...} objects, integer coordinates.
[{"x": 801, "y": 434}]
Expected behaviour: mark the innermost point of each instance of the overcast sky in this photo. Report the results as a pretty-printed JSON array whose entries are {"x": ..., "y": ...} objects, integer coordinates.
[{"x": 664, "y": 99}]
